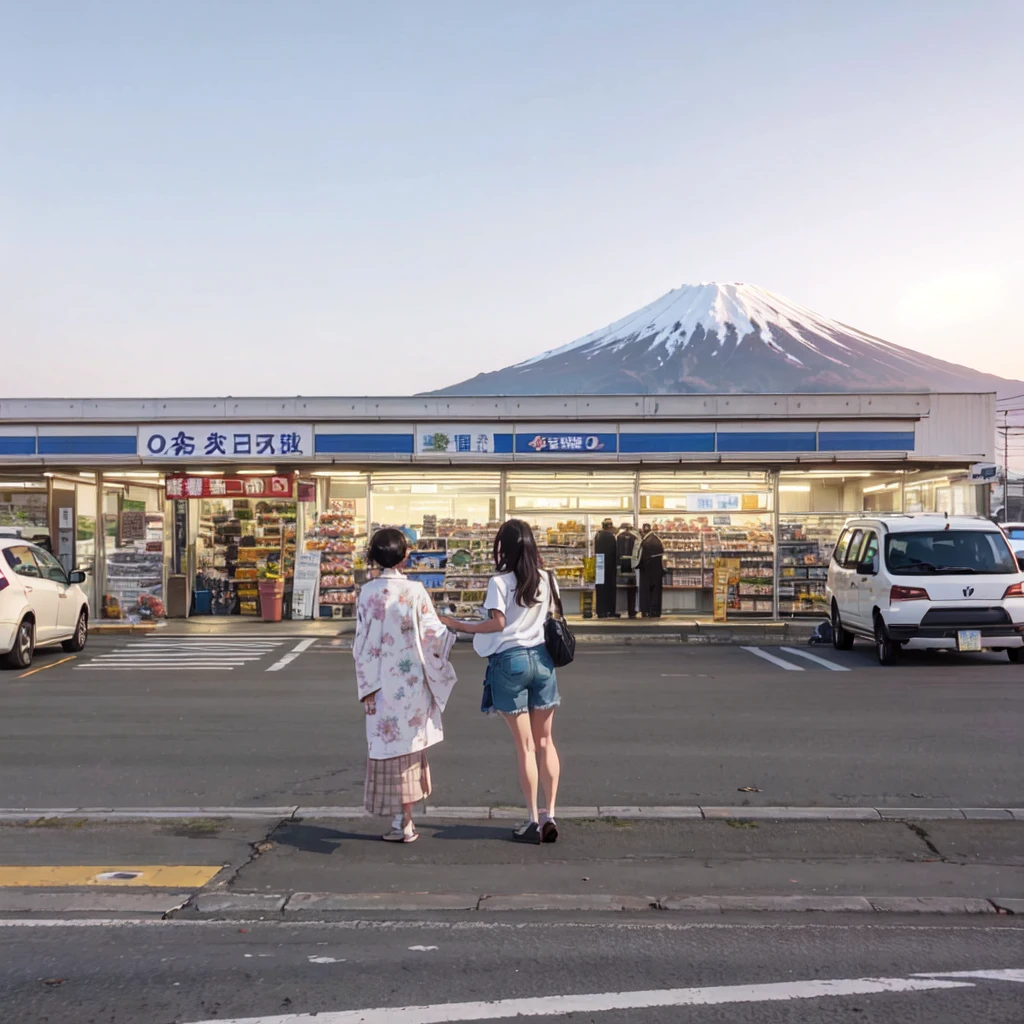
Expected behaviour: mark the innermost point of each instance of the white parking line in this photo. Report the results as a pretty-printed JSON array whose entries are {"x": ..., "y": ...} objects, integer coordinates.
[
  {"x": 787, "y": 665},
  {"x": 302, "y": 645},
  {"x": 587, "y": 1004},
  {"x": 831, "y": 665}
]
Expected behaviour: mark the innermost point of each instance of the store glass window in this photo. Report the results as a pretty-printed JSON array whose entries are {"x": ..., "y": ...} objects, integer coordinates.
[
  {"x": 133, "y": 525},
  {"x": 813, "y": 507},
  {"x": 240, "y": 541},
  {"x": 429, "y": 500},
  {"x": 24, "y": 509},
  {"x": 951, "y": 493},
  {"x": 704, "y": 517},
  {"x": 566, "y": 509},
  {"x": 452, "y": 519}
]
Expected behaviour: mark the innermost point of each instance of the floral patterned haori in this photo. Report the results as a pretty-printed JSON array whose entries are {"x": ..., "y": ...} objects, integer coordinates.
[{"x": 401, "y": 654}]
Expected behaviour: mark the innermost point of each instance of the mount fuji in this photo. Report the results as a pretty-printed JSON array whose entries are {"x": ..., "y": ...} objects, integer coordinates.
[{"x": 720, "y": 338}]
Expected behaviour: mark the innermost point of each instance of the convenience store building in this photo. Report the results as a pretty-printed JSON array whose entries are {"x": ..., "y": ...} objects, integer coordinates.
[{"x": 146, "y": 494}]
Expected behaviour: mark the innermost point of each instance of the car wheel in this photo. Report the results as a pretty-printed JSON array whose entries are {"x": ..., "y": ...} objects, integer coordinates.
[
  {"x": 842, "y": 640},
  {"x": 20, "y": 655},
  {"x": 888, "y": 650},
  {"x": 1015, "y": 654},
  {"x": 77, "y": 642}
]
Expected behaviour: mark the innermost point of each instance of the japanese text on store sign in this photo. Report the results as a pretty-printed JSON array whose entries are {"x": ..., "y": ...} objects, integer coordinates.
[
  {"x": 213, "y": 441},
  {"x": 228, "y": 487},
  {"x": 455, "y": 439},
  {"x": 459, "y": 442},
  {"x": 566, "y": 443}
]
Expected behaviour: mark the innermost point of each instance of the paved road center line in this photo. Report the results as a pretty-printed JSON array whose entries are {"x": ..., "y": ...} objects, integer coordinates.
[
  {"x": 831, "y": 665},
  {"x": 43, "y": 668},
  {"x": 787, "y": 665},
  {"x": 561, "y": 1006}
]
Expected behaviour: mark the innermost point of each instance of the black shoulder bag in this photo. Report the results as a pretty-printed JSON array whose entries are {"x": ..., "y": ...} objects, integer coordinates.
[{"x": 558, "y": 639}]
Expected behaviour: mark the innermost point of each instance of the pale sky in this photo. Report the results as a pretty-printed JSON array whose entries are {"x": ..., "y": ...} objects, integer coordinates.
[{"x": 243, "y": 197}]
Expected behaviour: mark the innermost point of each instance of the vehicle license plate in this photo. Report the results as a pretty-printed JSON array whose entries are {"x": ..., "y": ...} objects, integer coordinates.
[{"x": 968, "y": 640}]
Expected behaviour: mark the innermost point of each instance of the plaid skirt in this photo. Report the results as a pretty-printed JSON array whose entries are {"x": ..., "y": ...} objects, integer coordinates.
[{"x": 396, "y": 781}]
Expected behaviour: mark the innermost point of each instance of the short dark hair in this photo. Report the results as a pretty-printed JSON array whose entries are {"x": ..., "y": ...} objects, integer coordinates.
[{"x": 388, "y": 547}]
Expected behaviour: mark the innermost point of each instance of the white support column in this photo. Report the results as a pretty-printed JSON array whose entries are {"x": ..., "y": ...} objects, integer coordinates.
[{"x": 773, "y": 490}]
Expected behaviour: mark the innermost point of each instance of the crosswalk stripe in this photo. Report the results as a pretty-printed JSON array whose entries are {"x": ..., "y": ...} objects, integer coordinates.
[
  {"x": 169, "y": 655},
  {"x": 831, "y": 665},
  {"x": 787, "y": 665}
]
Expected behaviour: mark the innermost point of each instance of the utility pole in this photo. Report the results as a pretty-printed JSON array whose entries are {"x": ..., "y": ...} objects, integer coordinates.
[{"x": 1006, "y": 466}]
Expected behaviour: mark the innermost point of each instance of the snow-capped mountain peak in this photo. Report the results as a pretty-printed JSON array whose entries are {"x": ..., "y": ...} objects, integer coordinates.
[
  {"x": 735, "y": 337},
  {"x": 732, "y": 310}
]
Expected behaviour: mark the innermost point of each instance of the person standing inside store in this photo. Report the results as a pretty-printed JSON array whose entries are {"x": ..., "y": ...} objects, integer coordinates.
[
  {"x": 404, "y": 681},
  {"x": 520, "y": 683},
  {"x": 652, "y": 572},
  {"x": 605, "y": 549},
  {"x": 627, "y": 545}
]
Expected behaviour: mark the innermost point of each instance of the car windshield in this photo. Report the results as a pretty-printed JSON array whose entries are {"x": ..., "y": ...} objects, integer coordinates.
[
  {"x": 1015, "y": 532},
  {"x": 948, "y": 552}
]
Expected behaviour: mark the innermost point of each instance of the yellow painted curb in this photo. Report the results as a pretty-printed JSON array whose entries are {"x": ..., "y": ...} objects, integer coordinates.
[{"x": 159, "y": 876}]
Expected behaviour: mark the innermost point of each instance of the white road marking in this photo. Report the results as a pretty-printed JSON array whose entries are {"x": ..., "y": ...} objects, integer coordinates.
[
  {"x": 324, "y": 960},
  {"x": 817, "y": 659},
  {"x": 562, "y": 1006},
  {"x": 787, "y": 665},
  {"x": 1008, "y": 974},
  {"x": 167, "y": 655},
  {"x": 303, "y": 645},
  {"x": 422, "y": 949}
]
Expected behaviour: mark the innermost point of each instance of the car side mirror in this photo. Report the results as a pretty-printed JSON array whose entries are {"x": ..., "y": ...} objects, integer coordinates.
[
  {"x": 867, "y": 568},
  {"x": 77, "y": 576}
]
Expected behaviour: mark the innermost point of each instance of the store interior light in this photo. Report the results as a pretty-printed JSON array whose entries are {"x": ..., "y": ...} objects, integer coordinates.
[
  {"x": 201, "y": 472},
  {"x": 87, "y": 474},
  {"x": 256, "y": 472},
  {"x": 881, "y": 487},
  {"x": 795, "y": 488}
]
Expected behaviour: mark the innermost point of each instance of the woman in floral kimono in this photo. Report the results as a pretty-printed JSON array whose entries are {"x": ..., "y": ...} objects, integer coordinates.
[{"x": 401, "y": 654}]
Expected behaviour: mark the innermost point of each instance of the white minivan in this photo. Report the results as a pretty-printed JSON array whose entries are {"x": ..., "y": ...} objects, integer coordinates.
[{"x": 926, "y": 581}]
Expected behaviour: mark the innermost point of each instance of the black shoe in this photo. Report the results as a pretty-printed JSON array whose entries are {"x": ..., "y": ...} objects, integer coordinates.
[
  {"x": 527, "y": 833},
  {"x": 549, "y": 832}
]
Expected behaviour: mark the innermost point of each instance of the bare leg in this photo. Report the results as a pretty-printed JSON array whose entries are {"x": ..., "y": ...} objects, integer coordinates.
[
  {"x": 547, "y": 756},
  {"x": 526, "y": 757},
  {"x": 407, "y": 815}
]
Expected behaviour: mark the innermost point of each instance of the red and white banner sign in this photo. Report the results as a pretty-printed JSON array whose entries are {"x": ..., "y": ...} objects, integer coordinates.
[{"x": 229, "y": 486}]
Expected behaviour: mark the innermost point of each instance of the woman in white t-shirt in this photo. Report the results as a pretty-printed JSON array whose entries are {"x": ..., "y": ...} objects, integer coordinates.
[{"x": 520, "y": 683}]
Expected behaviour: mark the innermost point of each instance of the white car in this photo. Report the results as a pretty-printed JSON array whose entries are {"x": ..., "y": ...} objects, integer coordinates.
[
  {"x": 40, "y": 604},
  {"x": 926, "y": 581},
  {"x": 1015, "y": 535}
]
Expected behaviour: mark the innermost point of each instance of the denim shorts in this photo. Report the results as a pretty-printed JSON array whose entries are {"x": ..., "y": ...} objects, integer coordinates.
[{"x": 520, "y": 679}]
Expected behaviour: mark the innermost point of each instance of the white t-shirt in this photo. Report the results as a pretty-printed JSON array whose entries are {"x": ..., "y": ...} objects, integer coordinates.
[{"x": 524, "y": 627}]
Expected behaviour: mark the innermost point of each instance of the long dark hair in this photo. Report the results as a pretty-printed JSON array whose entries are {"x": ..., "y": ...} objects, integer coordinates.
[{"x": 515, "y": 551}]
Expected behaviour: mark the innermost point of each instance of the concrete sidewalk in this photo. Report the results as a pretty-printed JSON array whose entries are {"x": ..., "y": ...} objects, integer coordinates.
[{"x": 323, "y": 868}]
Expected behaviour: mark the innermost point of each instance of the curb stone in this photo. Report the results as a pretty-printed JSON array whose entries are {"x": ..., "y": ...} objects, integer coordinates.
[
  {"x": 238, "y": 902},
  {"x": 1009, "y": 906},
  {"x": 28, "y": 815},
  {"x": 14, "y": 901},
  {"x": 930, "y": 905},
  {"x": 320, "y": 902},
  {"x": 599, "y": 901},
  {"x": 310, "y": 904}
]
